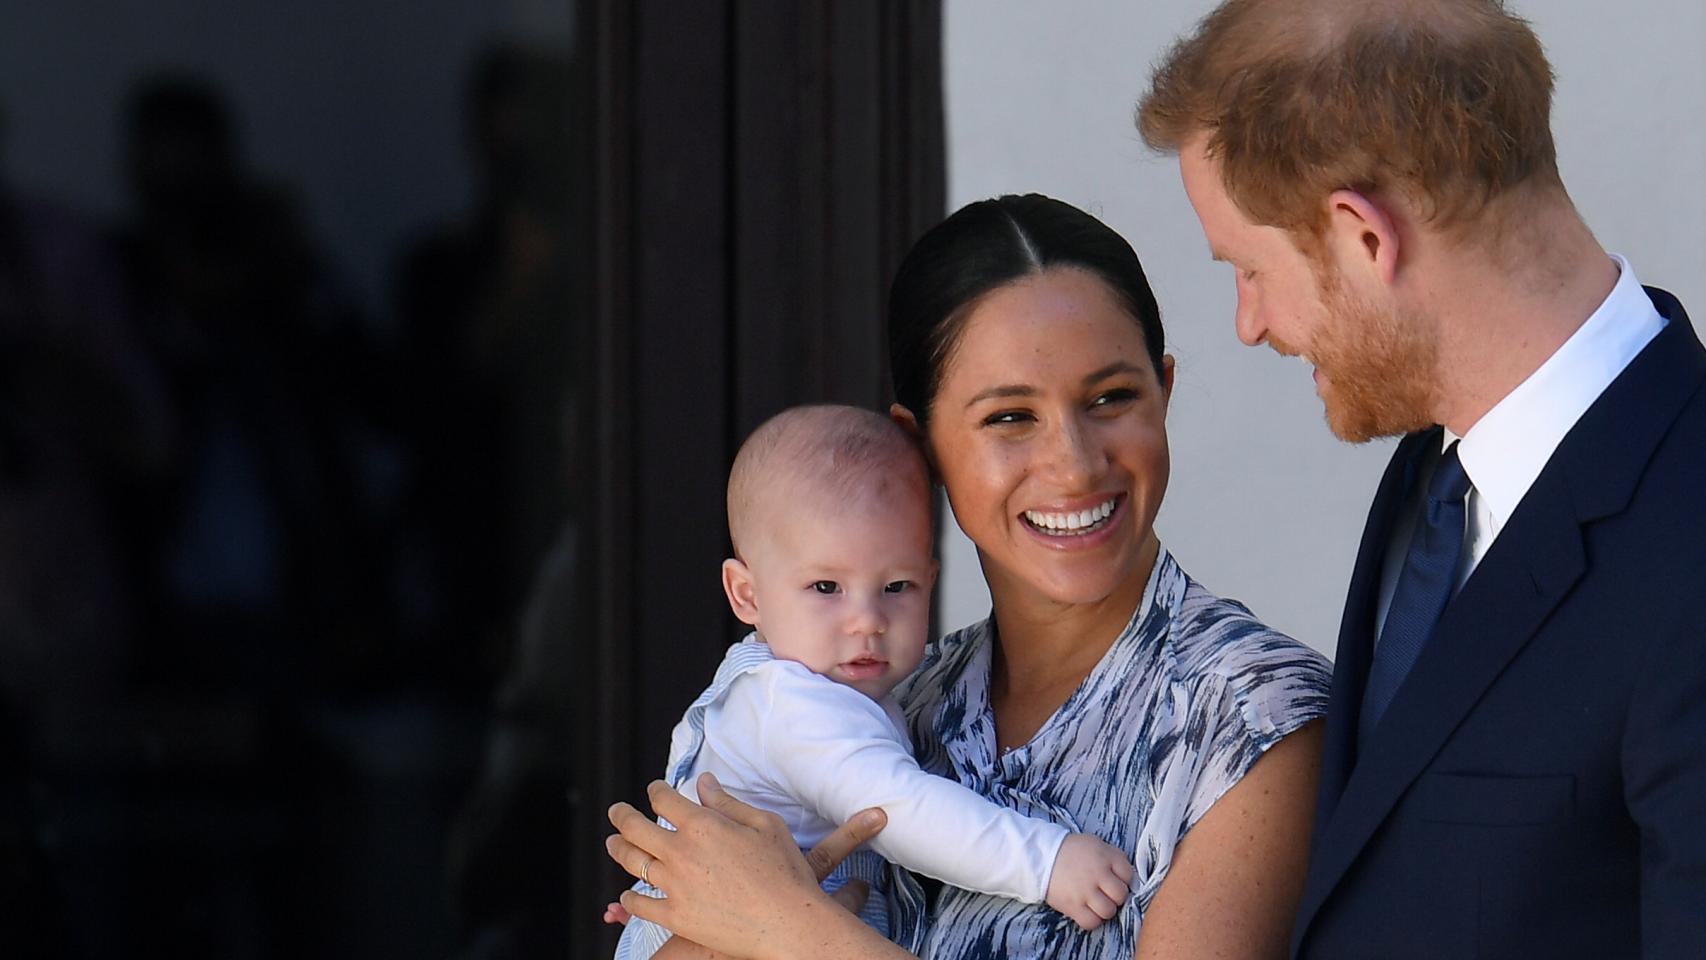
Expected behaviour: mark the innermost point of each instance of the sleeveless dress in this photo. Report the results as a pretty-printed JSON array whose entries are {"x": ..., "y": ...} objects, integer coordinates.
[{"x": 1187, "y": 698}]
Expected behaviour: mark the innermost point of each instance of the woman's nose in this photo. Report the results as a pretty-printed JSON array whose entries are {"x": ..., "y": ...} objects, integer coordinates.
[{"x": 1075, "y": 456}]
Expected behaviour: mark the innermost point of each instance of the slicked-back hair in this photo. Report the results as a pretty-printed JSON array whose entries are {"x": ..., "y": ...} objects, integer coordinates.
[
  {"x": 821, "y": 455},
  {"x": 985, "y": 246},
  {"x": 1445, "y": 104}
]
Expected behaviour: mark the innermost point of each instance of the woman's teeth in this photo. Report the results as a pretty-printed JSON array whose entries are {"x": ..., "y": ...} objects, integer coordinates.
[{"x": 1072, "y": 524}]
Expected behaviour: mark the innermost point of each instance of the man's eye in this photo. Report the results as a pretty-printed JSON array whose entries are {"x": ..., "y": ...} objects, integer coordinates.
[
  {"x": 825, "y": 586},
  {"x": 899, "y": 586}
]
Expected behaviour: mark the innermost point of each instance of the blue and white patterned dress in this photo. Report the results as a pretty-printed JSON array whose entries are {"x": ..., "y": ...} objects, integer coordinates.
[{"x": 1189, "y": 696}]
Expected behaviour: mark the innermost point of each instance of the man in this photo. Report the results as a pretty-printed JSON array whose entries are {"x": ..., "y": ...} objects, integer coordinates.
[{"x": 1516, "y": 747}]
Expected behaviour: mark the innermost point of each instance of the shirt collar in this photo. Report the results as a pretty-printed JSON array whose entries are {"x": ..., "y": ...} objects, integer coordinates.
[{"x": 1507, "y": 448}]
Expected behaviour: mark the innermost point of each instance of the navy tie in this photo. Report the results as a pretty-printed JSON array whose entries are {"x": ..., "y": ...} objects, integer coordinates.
[{"x": 1424, "y": 586}]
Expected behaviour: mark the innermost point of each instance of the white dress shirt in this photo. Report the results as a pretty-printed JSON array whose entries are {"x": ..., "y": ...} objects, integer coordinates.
[{"x": 1506, "y": 449}]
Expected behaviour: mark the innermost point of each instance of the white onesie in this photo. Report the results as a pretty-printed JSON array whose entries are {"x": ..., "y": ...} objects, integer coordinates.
[{"x": 815, "y": 752}]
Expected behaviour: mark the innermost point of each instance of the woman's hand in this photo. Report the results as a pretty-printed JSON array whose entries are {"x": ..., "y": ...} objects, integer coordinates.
[{"x": 737, "y": 883}]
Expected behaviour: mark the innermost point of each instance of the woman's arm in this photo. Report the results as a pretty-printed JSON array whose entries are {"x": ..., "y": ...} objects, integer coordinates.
[
  {"x": 1237, "y": 876},
  {"x": 737, "y": 883}
]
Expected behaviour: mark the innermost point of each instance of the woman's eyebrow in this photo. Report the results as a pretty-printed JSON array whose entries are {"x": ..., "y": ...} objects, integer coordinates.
[
  {"x": 1022, "y": 390},
  {"x": 1118, "y": 366},
  {"x": 1006, "y": 390}
]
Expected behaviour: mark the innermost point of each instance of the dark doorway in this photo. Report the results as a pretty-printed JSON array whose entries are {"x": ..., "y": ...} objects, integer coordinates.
[{"x": 756, "y": 195}]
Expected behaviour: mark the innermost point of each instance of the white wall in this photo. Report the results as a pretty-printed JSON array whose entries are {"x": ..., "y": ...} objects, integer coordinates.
[{"x": 1264, "y": 504}]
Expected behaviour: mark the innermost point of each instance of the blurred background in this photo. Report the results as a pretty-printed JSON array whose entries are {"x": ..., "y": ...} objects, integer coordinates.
[{"x": 370, "y": 371}]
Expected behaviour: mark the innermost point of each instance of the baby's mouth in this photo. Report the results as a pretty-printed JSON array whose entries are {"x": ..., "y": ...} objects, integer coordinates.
[
  {"x": 1072, "y": 523},
  {"x": 865, "y": 667}
]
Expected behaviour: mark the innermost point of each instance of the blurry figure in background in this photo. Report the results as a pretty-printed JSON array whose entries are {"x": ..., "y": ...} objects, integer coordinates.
[
  {"x": 82, "y": 423},
  {"x": 509, "y": 866},
  {"x": 32, "y": 916},
  {"x": 257, "y": 537},
  {"x": 486, "y": 308},
  {"x": 257, "y": 573}
]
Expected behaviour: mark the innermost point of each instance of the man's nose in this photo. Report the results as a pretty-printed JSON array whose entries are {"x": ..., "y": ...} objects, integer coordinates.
[{"x": 1247, "y": 319}]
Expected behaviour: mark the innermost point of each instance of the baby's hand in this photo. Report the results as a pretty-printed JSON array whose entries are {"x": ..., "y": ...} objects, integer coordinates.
[
  {"x": 1090, "y": 880},
  {"x": 616, "y": 913}
]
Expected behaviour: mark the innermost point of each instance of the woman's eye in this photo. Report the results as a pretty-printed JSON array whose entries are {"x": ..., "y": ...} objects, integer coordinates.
[
  {"x": 825, "y": 586},
  {"x": 1006, "y": 417},
  {"x": 899, "y": 586},
  {"x": 1111, "y": 397}
]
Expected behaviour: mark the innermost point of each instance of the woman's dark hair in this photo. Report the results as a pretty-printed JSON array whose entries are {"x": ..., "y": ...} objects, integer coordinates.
[{"x": 982, "y": 247}]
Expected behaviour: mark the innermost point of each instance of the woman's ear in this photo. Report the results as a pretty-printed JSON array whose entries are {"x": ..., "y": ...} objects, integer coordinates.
[
  {"x": 908, "y": 422},
  {"x": 1167, "y": 367},
  {"x": 737, "y": 586},
  {"x": 904, "y": 417}
]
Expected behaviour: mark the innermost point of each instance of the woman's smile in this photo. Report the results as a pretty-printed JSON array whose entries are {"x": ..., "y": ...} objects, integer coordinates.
[{"x": 1073, "y": 526}]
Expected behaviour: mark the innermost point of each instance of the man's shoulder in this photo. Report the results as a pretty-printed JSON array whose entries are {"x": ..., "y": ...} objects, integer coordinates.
[
  {"x": 1670, "y": 467},
  {"x": 1667, "y": 508}
]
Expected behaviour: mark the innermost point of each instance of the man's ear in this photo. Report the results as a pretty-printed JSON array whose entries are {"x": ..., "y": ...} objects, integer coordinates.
[
  {"x": 737, "y": 586},
  {"x": 1363, "y": 234}
]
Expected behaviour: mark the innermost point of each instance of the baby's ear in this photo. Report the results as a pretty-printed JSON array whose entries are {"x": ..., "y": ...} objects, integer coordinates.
[{"x": 737, "y": 585}]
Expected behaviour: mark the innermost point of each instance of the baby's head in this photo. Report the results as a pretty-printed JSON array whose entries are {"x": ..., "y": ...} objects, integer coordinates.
[{"x": 829, "y": 511}]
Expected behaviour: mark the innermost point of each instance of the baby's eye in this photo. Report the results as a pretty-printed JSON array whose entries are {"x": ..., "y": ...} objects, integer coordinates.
[
  {"x": 898, "y": 586},
  {"x": 826, "y": 586}
]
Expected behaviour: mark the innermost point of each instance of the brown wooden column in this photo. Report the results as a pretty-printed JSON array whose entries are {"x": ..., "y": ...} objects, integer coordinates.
[{"x": 761, "y": 166}]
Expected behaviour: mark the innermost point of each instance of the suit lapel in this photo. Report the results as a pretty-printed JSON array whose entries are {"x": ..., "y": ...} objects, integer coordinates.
[{"x": 1537, "y": 560}]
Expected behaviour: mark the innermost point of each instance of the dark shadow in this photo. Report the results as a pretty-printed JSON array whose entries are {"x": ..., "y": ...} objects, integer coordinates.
[{"x": 488, "y": 305}]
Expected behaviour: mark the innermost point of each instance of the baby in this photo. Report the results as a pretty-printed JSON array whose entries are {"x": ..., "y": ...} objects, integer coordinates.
[{"x": 829, "y": 511}]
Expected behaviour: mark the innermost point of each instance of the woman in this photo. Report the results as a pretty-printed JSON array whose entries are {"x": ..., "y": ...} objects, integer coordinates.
[{"x": 1107, "y": 691}]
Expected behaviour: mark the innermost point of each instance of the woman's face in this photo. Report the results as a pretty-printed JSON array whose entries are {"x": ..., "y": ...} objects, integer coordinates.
[{"x": 1049, "y": 432}]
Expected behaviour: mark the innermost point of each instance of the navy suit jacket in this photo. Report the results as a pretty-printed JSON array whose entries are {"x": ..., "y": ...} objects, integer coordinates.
[{"x": 1537, "y": 787}]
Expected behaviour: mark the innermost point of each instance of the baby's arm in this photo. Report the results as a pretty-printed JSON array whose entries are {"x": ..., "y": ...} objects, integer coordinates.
[{"x": 834, "y": 749}]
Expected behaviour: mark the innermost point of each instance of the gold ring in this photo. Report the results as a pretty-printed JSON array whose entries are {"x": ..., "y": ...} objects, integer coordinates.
[{"x": 646, "y": 870}]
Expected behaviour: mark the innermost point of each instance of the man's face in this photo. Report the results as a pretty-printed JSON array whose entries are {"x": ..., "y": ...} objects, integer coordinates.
[{"x": 1374, "y": 365}]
